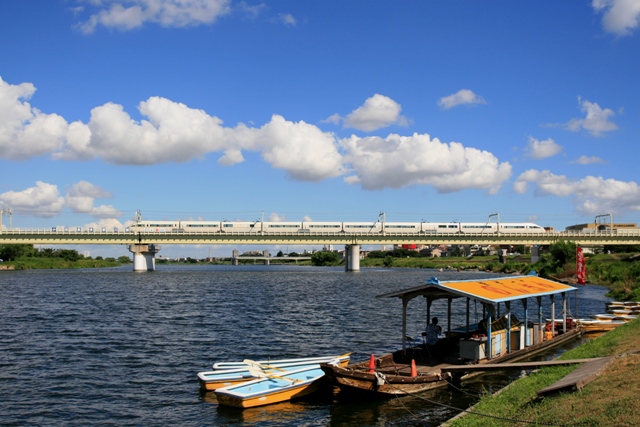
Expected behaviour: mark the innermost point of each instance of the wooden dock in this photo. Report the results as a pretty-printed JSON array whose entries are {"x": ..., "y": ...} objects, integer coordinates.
[
  {"x": 580, "y": 377},
  {"x": 514, "y": 365}
]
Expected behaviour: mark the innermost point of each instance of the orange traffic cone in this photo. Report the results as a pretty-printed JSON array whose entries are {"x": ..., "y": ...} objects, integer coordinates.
[
  {"x": 414, "y": 371},
  {"x": 372, "y": 363}
]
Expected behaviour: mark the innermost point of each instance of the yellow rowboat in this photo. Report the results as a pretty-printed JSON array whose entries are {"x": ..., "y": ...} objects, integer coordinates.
[
  {"x": 273, "y": 389},
  {"x": 249, "y": 370}
]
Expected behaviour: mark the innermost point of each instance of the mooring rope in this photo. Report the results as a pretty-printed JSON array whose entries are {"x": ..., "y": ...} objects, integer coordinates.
[{"x": 480, "y": 414}]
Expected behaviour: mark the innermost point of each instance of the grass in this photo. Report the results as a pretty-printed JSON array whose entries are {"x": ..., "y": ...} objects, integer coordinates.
[
  {"x": 610, "y": 400},
  {"x": 55, "y": 263}
]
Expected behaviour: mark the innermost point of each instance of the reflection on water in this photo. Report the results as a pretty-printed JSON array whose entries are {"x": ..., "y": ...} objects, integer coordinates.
[{"x": 111, "y": 347}]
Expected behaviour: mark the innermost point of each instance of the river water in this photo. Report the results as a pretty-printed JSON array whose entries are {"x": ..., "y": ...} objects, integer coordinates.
[{"x": 114, "y": 347}]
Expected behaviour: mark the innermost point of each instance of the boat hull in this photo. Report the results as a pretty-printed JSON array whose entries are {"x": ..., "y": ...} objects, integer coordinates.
[
  {"x": 227, "y": 376},
  {"x": 274, "y": 389},
  {"x": 361, "y": 382}
]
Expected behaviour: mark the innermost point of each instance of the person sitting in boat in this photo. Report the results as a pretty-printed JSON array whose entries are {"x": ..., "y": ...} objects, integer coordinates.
[{"x": 432, "y": 332}]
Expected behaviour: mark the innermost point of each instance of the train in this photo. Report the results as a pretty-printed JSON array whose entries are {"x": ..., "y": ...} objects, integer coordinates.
[{"x": 287, "y": 227}]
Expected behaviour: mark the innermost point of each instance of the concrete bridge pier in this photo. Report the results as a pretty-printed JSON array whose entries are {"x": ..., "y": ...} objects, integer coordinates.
[
  {"x": 265, "y": 253},
  {"x": 234, "y": 257},
  {"x": 144, "y": 257},
  {"x": 352, "y": 258}
]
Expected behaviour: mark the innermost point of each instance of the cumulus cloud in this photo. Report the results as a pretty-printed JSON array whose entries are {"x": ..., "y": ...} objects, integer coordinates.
[
  {"x": 621, "y": 17},
  {"x": 126, "y": 15},
  {"x": 44, "y": 200},
  {"x": 81, "y": 198},
  {"x": 377, "y": 112},
  {"x": 173, "y": 132},
  {"x": 302, "y": 150},
  {"x": 25, "y": 131},
  {"x": 274, "y": 217},
  {"x": 596, "y": 121},
  {"x": 462, "y": 97},
  {"x": 538, "y": 150},
  {"x": 397, "y": 161},
  {"x": 591, "y": 195},
  {"x": 588, "y": 160}
]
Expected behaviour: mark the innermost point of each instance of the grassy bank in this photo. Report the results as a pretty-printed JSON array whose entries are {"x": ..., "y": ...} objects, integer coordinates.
[
  {"x": 610, "y": 400},
  {"x": 56, "y": 263}
]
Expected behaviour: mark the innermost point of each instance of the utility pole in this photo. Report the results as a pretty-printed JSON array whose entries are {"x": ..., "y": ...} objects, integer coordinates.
[{"x": 6, "y": 211}]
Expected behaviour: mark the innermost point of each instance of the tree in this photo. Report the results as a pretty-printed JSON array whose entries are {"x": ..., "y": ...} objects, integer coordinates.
[
  {"x": 388, "y": 261},
  {"x": 124, "y": 259},
  {"x": 12, "y": 252},
  {"x": 325, "y": 258},
  {"x": 279, "y": 254}
]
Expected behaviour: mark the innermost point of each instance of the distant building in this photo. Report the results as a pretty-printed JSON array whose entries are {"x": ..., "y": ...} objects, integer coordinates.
[{"x": 593, "y": 227}]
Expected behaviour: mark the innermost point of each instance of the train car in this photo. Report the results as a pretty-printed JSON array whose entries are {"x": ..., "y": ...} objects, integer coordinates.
[
  {"x": 241, "y": 227},
  {"x": 402, "y": 227},
  {"x": 362, "y": 227},
  {"x": 521, "y": 227},
  {"x": 155, "y": 226},
  {"x": 321, "y": 227},
  {"x": 478, "y": 227},
  {"x": 200, "y": 226},
  {"x": 440, "y": 227},
  {"x": 281, "y": 227}
]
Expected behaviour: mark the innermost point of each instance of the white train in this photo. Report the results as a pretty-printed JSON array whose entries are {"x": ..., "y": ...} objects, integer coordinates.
[{"x": 335, "y": 227}]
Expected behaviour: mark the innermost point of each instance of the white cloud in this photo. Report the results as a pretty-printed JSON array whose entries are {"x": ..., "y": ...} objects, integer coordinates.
[
  {"x": 43, "y": 200},
  {"x": 274, "y": 217},
  {"x": 302, "y": 150},
  {"x": 125, "y": 15},
  {"x": 377, "y": 112},
  {"x": 462, "y": 97},
  {"x": 25, "y": 131},
  {"x": 288, "y": 19},
  {"x": 586, "y": 160},
  {"x": 538, "y": 150},
  {"x": 81, "y": 198},
  {"x": 591, "y": 195},
  {"x": 397, "y": 161},
  {"x": 596, "y": 122},
  {"x": 621, "y": 17},
  {"x": 173, "y": 132}
]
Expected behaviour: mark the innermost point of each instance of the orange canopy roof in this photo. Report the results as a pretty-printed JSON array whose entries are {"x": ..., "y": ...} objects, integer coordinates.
[{"x": 491, "y": 290}]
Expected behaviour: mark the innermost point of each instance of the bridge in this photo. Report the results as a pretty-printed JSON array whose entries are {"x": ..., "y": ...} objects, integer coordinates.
[{"x": 144, "y": 245}]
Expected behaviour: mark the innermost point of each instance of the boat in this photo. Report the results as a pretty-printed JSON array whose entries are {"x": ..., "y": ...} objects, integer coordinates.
[
  {"x": 272, "y": 389},
  {"x": 594, "y": 325},
  {"x": 411, "y": 370},
  {"x": 233, "y": 373},
  {"x": 282, "y": 363}
]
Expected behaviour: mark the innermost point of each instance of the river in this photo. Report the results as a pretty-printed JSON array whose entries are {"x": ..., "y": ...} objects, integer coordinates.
[{"x": 113, "y": 347}]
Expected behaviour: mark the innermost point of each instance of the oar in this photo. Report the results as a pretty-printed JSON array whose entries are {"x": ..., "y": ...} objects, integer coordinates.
[
  {"x": 261, "y": 374},
  {"x": 261, "y": 366}
]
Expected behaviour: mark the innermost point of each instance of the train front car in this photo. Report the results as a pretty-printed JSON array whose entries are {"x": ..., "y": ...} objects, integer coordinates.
[{"x": 521, "y": 227}]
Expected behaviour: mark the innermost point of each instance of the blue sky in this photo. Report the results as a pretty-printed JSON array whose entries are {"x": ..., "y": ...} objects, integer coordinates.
[{"x": 318, "y": 110}]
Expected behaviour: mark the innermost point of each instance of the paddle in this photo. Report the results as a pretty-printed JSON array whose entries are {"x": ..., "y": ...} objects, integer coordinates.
[
  {"x": 261, "y": 374},
  {"x": 261, "y": 366}
]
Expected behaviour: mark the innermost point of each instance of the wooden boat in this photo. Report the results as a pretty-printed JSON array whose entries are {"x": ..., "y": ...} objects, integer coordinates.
[
  {"x": 392, "y": 373},
  {"x": 249, "y": 370},
  {"x": 272, "y": 389},
  {"x": 283, "y": 363},
  {"x": 594, "y": 325},
  {"x": 416, "y": 369},
  {"x": 605, "y": 317}
]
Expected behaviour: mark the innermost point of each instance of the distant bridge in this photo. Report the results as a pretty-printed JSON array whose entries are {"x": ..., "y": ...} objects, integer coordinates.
[{"x": 144, "y": 245}]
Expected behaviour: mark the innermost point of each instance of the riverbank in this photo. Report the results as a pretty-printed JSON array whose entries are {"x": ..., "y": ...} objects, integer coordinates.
[{"x": 610, "y": 400}]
